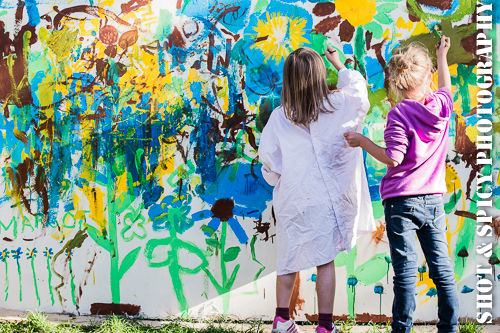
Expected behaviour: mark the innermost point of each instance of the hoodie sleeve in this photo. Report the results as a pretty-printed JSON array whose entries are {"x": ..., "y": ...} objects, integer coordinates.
[
  {"x": 270, "y": 154},
  {"x": 395, "y": 136},
  {"x": 446, "y": 99}
]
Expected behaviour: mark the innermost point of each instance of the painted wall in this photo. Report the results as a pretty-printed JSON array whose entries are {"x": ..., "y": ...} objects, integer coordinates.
[{"x": 129, "y": 135}]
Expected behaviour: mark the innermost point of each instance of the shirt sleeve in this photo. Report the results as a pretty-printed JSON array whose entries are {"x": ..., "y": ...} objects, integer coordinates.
[
  {"x": 446, "y": 99},
  {"x": 395, "y": 137},
  {"x": 354, "y": 87},
  {"x": 270, "y": 155}
]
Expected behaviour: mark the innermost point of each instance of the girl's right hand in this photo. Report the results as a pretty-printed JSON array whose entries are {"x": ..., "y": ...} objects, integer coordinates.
[
  {"x": 333, "y": 56},
  {"x": 443, "y": 47}
]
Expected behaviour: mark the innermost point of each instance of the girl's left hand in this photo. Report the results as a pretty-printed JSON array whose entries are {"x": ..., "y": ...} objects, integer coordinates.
[{"x": 353, "y": 138}]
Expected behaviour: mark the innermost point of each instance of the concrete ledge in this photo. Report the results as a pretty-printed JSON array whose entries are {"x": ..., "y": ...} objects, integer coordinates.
[{"x": 12, "y": 315}]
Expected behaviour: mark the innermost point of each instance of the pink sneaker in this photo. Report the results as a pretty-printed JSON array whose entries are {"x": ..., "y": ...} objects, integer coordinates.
[
  {"x": 321, "y": 329},
  {"x": 281, "y": 325}
]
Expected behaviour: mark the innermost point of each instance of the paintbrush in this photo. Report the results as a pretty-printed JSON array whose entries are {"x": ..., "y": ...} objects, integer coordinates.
[
  {"x": 435, "y": 29},
  {"x": 324, "y": 55}
]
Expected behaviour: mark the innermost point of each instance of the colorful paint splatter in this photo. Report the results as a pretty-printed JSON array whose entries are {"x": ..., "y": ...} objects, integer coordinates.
[{"x": 129, "y": 137}]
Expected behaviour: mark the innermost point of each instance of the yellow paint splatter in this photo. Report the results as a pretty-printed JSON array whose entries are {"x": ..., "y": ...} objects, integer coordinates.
[
  {"x": 402, "y": 24},
  {"x": 420, "y": 29},
  {"x": 358, "y": 12}
]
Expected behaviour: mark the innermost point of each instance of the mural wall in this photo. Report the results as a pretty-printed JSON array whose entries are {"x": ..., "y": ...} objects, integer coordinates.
[{"x": 130, "y": 178}]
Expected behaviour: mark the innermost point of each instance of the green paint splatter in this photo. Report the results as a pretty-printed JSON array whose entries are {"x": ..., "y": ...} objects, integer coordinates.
[
  {"x": 72, "y": 281},
  {"x": 260, "y": 6},
  {"x": 465, "y": 7},
  {"x": 164, "y": 26},
  {"x": 359, "y": 50},
  {"x": 465, "y": 238}
]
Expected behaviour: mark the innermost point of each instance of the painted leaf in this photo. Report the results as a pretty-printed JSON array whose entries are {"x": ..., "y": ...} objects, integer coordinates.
[
  {"x": 128, "y": 38},
  {"x": 99, "y": 238},
  {"x": 213, "y": 242},
  {"x": 207, "y": 229},
  {"x": 383, "y": 18},
  {"x": 231, "y": 253},
  {"x": 230, "y": 282},
  {"x": 375, "y": 28},
  {"x": 386, "y": 7},
  {"x": 450, "y": 206},
  {"x": 372, "y": 270},
  {"x": 128, "y": 261}
]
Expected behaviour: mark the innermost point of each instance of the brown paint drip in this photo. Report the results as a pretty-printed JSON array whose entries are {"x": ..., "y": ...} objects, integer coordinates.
[
  {"x": 296, "y": 302},
  {"x": 464, "y": 146},
  {"x": 346, "y": 31},
  {"x": 324, "y": 9},
  {"x": 360, "y": 318},
  {"x": 327, "y": 24},
  {"x": 378, "y": 234},
  {"x": 441, "y": 4},
  {"x": 114, "y": 308},
  {"x": 263, "y": 229}
]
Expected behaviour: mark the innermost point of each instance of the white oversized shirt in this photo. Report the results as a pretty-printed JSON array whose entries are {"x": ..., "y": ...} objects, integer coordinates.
[{"x": 321, "y": 198}]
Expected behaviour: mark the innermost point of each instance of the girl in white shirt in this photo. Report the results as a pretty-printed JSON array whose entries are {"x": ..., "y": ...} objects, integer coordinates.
[{"x": 321, "y": 198}]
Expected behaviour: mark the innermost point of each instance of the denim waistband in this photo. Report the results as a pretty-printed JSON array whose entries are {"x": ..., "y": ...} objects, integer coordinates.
[{"x": 418, "y": 198}]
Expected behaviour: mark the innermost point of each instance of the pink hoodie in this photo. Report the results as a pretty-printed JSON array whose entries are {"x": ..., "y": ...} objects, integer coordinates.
[{"x": 416, "y": 137}]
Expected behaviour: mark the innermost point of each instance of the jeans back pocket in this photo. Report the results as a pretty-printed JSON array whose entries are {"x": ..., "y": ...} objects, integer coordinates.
[{"x": 401, "y": 217}]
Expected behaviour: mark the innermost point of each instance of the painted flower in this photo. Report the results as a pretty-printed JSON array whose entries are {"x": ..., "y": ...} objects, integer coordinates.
[
  {"x": 379, "y": 288},
  {"x": 352, "y": 281},
  {"x": 4, "y": 255},
  {"x": 432, "y": 292},
  {"x": 17, "y": 253},
  {"x": 68, "y": 253},
  {"x": 278, "y": 35},
  {"x": 466, "y": 290},
  {"x": 223, "y": 210},
  {"x": 358, "y": 12},
  {"x": 31, "y": 254},
  {"x": 48, "y": 253}
]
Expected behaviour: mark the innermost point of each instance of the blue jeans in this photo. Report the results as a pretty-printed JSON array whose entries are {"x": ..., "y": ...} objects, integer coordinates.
[{"x": 424, "y": 216}]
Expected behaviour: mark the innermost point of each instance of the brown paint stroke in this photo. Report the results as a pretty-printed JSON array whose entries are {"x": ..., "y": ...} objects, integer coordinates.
[
  {"x": 91, "y": 10},
  {"x": 440, "y": 4},
  {"x": 327, "y": 24},
  {"x": 360, "y": 318},
  {"x": 296, "y": 302},
  {"x": 496, "y": 226},
  {"x": 324, "y": 9},
  {"x": 133, "y": 5},
  {"x": 176, "y": 39},
  {"x": 464, "y": 146},
  {"x": 114, "y": 308},
  {"x": 346, "y": 31},
  {"x": 468, "y": 215}
]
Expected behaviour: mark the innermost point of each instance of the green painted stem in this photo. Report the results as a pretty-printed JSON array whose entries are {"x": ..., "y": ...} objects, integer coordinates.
[
  {"x": 6, "y": 281},
  {"x": 34, "y": 279},
  {"x": 115, "y": 259},
  {"x": 50, "y": 281},
  {"x": 174, "y": 270},
  {"x": 226, "y": 295},
  {"x": 20, "y": 282},
  {"x": 72, "y": 282}
]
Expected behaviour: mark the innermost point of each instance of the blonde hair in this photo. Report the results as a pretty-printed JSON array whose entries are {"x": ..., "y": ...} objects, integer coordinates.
[
  {"x": 304, "y": 87},
  {"x": 408, "y": 69}
]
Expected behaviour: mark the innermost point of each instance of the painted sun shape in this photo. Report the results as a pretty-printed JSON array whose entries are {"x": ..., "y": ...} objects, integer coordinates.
[{"x": 279, "y": 35}]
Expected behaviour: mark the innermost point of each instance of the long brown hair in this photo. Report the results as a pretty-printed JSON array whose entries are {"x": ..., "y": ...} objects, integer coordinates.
[{"x": 304, "y": 87}]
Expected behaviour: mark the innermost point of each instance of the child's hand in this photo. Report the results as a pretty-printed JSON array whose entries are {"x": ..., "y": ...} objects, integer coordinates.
[
  {"x": 333, "y": 56},
  {"x": 443, "y": 46},
  {"x": 353, "y": 139}
]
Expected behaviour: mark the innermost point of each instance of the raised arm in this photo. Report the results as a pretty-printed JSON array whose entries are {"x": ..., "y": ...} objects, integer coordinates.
[
  {"x": 333, "y": 56},
  {"x": 444, "y": 79}
]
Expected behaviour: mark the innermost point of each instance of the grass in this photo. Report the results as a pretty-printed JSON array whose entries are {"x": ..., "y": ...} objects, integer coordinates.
[
  {"x": 38, "y": 323},
  {"x": 470, "y": 326}
]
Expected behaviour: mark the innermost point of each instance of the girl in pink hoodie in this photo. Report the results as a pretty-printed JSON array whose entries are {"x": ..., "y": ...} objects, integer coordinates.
[{"x": 416, "y": 138}]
